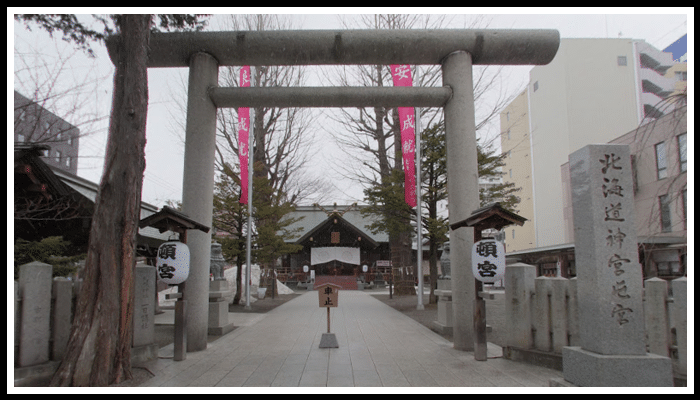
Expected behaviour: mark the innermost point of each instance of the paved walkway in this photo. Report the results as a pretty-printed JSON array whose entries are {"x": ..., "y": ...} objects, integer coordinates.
[{"x": 378, "y": 346}]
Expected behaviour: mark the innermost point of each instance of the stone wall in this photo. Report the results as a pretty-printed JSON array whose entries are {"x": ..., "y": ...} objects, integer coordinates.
[
  {"x": 43, "y": 314},
  {"x": 543, "y": 316}
]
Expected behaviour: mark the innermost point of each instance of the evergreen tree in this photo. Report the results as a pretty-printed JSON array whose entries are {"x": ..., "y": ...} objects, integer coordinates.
[
  {"x": 230, "y": 216},
  {"x": 490, "y": 165},
  {"x": 270, "y": 225},
  {"x": 386, "y": 200}
]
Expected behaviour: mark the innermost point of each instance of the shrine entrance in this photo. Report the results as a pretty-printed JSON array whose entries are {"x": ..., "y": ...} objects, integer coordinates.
[
  {"x": 335, "y": 244},
  {"x": 455, "y": 50}
]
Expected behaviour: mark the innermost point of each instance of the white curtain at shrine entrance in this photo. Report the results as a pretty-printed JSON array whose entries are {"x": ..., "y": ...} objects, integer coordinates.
[{"x": 350, "y": 255}]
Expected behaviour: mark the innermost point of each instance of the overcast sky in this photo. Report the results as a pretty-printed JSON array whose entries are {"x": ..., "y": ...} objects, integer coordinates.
[{"x": 165, "y": 150}]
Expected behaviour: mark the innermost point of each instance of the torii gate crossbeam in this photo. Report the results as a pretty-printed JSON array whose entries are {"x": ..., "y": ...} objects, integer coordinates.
[{"x": 455, "y": 50}]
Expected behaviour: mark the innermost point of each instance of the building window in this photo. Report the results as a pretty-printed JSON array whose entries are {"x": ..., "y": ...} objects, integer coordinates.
[
  {"x": 510, "y": 173},
  {"x": 20, "y": 138},
  {"x": 535, "y": 86},
  {"x": 682, "y": 152},
  {"x": 58, "y": 156},
  {"x": 661, "y": 160},
  {"x": 67, "y": 162},
  {"x": 507, "y": 115},
  {"x": 513, "y": 234},
  {"x": 665, "y": 211},
  {"x": 681, "y": 76},
  {"x": 622, "y": 61}
]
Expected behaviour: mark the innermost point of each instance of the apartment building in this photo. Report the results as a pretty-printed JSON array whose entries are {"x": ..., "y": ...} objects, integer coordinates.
[
  {"x": 593, "y": 91},
  {"x": 34, "y": 124},
  {"x": 659, "y": 161}
]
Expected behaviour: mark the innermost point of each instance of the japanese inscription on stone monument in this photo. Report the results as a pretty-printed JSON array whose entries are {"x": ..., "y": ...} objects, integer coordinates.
[
  {"x": 608, "y": 270},
  {"x": 612, "y": 191}
]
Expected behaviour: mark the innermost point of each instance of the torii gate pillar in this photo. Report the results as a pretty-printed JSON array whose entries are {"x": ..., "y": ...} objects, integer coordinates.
[
  {"x": 198, "y": 192},
  {"x": 463, "y": 192}
]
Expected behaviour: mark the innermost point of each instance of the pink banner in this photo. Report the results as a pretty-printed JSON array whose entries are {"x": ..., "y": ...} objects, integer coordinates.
[
  {"x": 243, "y": 127},
  {"x": 402, "y": 77}
]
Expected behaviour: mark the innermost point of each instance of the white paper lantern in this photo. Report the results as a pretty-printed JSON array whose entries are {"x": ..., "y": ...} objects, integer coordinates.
[
  {"x": 488, "y": 260},
  {"x": 173, "y": 263}
]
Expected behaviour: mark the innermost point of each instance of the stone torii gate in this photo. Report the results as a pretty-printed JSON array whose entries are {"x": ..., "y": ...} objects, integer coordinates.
[{"x": 455, "y": 50}]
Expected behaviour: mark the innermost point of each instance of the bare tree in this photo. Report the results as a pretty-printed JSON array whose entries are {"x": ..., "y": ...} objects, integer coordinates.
[
  {"x": 283, "y": 136},
  {"x": 49, "y": 86},
  {"x": 368, "y": 135},
  {"x": 371, "y": 136}
]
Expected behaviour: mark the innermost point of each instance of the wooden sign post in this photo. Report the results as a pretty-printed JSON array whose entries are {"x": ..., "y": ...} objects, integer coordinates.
[
  {"x": 328, "y": 297},
  {"x": 168, "y": 219},
  {"x": 496, "y": 217}
]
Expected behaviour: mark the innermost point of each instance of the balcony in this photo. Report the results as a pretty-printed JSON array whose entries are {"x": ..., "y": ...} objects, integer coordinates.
[
  {"x": 652, "y": 82},
  {"x": 652, "y": 58}
]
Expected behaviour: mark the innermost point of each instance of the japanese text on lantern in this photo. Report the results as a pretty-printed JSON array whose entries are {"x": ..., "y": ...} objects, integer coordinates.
[
  {"x": 164, "y": 252},
  {"x": 613, "y": 216},
  {"x": 486, "y": 249},
  {"x": 488, "y": 260}
]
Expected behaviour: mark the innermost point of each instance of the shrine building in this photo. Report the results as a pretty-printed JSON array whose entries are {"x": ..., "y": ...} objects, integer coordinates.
[{"x": 337, "y": 247}]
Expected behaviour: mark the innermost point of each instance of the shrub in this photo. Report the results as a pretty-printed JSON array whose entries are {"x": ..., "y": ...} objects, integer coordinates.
[{"x": 51, "y": 250}]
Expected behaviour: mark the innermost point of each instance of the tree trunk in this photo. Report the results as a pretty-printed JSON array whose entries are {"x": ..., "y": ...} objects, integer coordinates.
[{"x": 99, "y": 347}]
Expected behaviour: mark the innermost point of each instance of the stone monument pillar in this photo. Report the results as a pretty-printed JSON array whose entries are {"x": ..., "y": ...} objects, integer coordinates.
[
  {"x": 144, "y": 346},
  {"x": 610, "y": 283}
]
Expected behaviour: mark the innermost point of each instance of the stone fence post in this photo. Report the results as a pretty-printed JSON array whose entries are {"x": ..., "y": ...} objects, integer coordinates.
[
  {"x": 559, "y": 313},
  {"x": 35, "y": 308},
  {"x": 520, "y": 287},
  {"x": 542, "y": 317},
  {"x": 679, "y": 322},
  {"x": 43, "y": 314},
  {"x": 61, "y": 316},
  {"x": 658, "y": 332}
]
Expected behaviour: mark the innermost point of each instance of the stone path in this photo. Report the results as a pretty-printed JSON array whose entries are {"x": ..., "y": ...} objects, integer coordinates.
[{"x": 378, "y": 346}]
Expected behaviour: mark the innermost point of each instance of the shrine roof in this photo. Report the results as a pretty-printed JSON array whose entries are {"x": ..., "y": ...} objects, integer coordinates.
[{"x": 316, "y": 215}]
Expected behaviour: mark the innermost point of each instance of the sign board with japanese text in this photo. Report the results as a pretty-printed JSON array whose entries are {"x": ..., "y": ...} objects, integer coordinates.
[
  {"x": 328, "y": 295},
  {"x": 488, "y": 260}
]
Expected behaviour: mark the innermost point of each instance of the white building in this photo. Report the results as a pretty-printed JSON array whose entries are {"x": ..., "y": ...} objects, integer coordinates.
[{"x": 593, "y": 91}]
